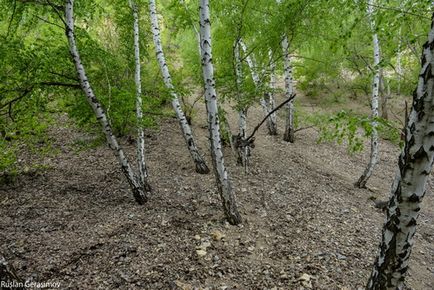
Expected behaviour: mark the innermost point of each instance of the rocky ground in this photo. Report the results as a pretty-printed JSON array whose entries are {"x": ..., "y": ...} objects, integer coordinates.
[{"x": 305, "y": 225}]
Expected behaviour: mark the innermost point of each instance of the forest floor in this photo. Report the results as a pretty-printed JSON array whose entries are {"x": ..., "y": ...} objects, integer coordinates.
[{"x": 305, "y": 225}]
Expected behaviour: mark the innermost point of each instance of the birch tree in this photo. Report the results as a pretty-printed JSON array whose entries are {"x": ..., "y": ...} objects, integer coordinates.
[
  {"x": 271, "y": 126},
  {"x": 143, "y": 172},
  {"x": 242, "y": 148},
  {"x": 409, "y": 187},
  {"x": 272, "y": 88},
  {"x": 373, "y": 158},
  {"x": 201, "y": 166},
  {"x": 140, "y": 190},
  {"x": 222, "y": 177},
  {"x": 289, "y": 91}
]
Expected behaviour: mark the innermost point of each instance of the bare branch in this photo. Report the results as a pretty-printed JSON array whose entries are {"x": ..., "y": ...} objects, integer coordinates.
[{"x": 268, "y": 115}]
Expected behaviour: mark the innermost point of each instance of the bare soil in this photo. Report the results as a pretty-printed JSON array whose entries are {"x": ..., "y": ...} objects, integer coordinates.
[{"x": 305, "y": 225}]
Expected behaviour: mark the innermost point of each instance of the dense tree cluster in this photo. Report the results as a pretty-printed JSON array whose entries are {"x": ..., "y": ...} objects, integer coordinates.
[{"x": 117, "y": 65}]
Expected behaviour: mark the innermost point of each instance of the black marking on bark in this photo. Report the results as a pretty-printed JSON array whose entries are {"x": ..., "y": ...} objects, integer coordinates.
[
  {"x": 428, "y": 73},
  {"x": 402, "y": 255},
  {"x": 398, "y": 212},
  {"x": 403, "y": 270},
  {"x": 425, "y": 172},
  {"x": 414, "y": 198},
  {"x": 420, "y": 154},
  {"x": 412, "y": 129},
  {"x": 418, "y": 107}
]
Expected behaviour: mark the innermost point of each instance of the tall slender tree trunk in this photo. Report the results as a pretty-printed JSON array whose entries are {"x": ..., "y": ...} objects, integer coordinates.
[
  {"x": 243, "y": 151},
  {"x": 272, "y": 86},
  {"x": 201, "y": 166},
  {"x": 373, "y": 158},
  {"x": 385, "y": 95},
  {"x": 222, "y": 176},
  {"x": 239, "y": 77},
  {"x": 139, "y": 190},
  {"x": 272, "y": 128},
  {"x": 398, "y": 61},
  {"x": 143, "y": 172},
  {"x": 288, "y": 136},
  {"x": 415, "y": 165}
]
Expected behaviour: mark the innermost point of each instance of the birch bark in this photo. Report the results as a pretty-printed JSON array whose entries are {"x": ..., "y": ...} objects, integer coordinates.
[
  {"x": 289, "y": 91},
  {"x": 143, "y": 172},
  {"x": 201, "y": 166},
  {"x": 271, "y": 99},
  {"x": 415, "y": 164},
  {"x": 222, "y": 176},
  {"x": 139, "y": 190},
  {"x": 243, "y": 151},
  {"x": 398, "y": 62},
  {"x": 373, "y": 158},
  {"x": 272, "y": 128}
]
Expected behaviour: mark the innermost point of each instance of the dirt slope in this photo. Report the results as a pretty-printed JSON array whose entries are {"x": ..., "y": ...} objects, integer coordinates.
[{"x": 305, "y": 225}]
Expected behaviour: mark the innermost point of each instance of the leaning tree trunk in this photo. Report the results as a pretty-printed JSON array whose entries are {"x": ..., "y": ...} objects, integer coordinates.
[
  {"x": 140, "y": 191},
  {"x": 143, "y": 172},
  {"x": 272, "y": 128},
  {"x": 415, "y": 164},
  {"x": 201, "y": 166},
  {"x": 222, "y": 176},
  {"x": 288, "y": 136},
  {"x": 243, "y": 151},
  {"x": 373, "y": 158}
]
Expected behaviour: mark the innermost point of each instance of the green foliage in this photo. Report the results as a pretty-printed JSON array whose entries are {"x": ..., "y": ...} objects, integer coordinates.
[
  {"x": 8, "y": 157},
  {"x": 330, "y": 46},
  {"x": 38, "y": 78},
  {"x": 28, "y": 133},
  {"x": 344, "y": 127},
  {"x": 350, "y": 129}
]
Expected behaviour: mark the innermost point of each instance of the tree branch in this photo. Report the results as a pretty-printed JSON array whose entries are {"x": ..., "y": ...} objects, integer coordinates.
[
  {"x": 268, "y": 115},
  {"x": 26, "y": 91}
]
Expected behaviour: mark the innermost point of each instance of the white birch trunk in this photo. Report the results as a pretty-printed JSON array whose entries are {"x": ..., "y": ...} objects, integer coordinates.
[
  {"x": 143, "y": 172},
  {"x": 271, "y": 100},
  {"x": 373, "y": 158},
  {"x": 415, "y": 165},
  {"x": 289, "y": 91},
  {"x": 201, "y": 166},
  {"x": 272, "y": 129},
  {"x": 243, "y": 151},
  {"x": 222, "y": 177},
  {"x": 398, "y": 62},
  {"x": 139, "y": 191},
  {"x": 239, "y": 77}
]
